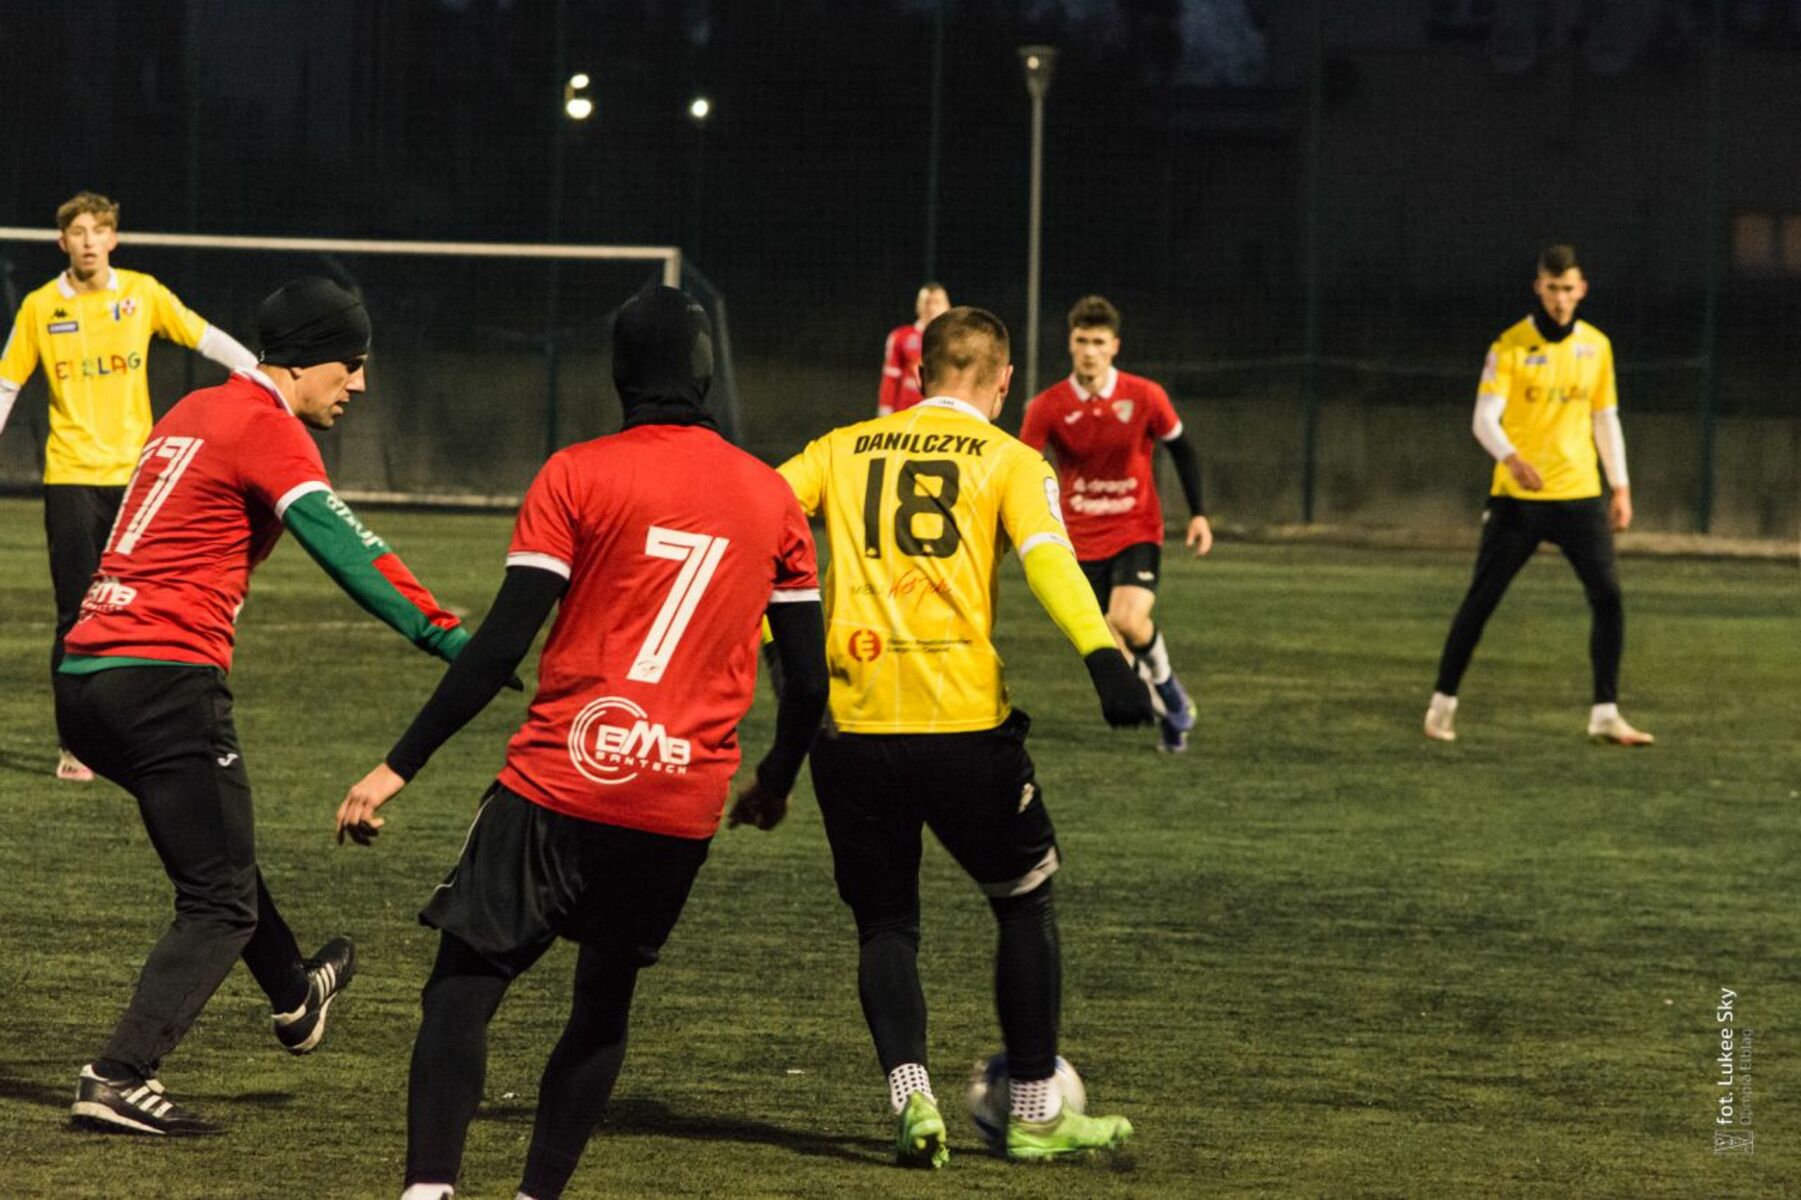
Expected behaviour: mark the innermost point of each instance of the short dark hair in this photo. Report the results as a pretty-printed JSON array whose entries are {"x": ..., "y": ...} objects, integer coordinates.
[
  {"x": 1555, "y": 260},
  {"x": 962, "y": 339},
  {"x": 1094, "y": 312}
]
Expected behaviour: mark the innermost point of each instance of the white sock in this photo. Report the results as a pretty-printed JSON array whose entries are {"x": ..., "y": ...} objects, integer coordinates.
[
  {"x": 428, "y": 1191},
  {"x": 1156, "y": 657},
  {"x": 1603, "y": 712},
  {"x": 523, "y": 1196},
  {"x": 1444, "y": 704},
  {"x": 1036, "y": 1100},
  {"x": 906, "y": 1079}
]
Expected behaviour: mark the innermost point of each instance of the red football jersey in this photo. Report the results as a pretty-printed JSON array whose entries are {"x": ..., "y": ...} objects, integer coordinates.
[
  {"x": 900, "y": 370},
  {"x": 203, "y": 508},
  {"x": 1103, "y": 443},
  {"x": 674, "y": 543}
]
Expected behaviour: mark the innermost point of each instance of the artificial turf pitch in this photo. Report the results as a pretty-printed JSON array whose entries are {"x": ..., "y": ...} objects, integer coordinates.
[{"x": 1318, "y": 955}]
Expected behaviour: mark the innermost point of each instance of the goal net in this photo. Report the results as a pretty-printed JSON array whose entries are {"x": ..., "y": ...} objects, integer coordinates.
[{"x": 486, "y": 356}]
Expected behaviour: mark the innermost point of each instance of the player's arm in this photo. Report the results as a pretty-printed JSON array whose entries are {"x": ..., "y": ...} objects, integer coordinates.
[
  {"x": 1035, "y": 427},
  {"x": 1491, "y": 403},
  {"x": 18, "y": 361},
  {"x": 368, "y": 570},
  {"x": 1610, "y": 444},
  {"x": 806, "y": 474},
  {"x": 488, "y": 663},
  {"x": 797, "y": 632},
  {"x": 180, "y": 324},
  {"x": 1030, "y": 515},
  {"x": 889, "y": 395}
]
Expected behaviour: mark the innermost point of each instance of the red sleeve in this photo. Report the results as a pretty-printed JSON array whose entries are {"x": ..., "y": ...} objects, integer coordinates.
[
  {"x": 1162, "y": 418},
  {"x": 1035, "y": 430},
  {"x": 279, "y": 462},
  {"x": 544, "y": 535},
  {"x": 796, "y": 568},
  {"x": 417, "y": 594},
  {"x": 892, "y": 374}
]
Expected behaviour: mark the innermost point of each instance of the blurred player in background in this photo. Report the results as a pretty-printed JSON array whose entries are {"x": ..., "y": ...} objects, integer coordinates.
[
  {"x": 91, "y": 327},
  {"x": 900, "y": 358},
  {"x": 613, "y": 788},
  {"x": 141, "y": 691},
  {"x": 1102, "y": 426},
  {"x": 1546, "y": 410},
  {"x": 918, "y": 507}
]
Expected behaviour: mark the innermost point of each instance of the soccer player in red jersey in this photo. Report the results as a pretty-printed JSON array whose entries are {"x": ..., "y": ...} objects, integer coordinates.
[
  {"x": 141, "y": 692},
  {"x": 1102, "y": 426},
  {"x": 900, "y": 358},
  {"x": 613, "y": 788}
]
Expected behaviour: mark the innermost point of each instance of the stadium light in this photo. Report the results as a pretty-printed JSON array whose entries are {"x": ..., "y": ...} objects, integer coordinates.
[
  {"x": 577, "y": 103},
  {"x": 700, "y": 108},
  {"x": 1039, "y": 63}
]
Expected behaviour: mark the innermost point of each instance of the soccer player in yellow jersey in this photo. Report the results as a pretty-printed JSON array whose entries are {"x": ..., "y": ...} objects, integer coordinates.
[
  {"x": 1546, "y": 409},
  {"x": 919, "y": 506},
  {"x": 91, "y": 327}
]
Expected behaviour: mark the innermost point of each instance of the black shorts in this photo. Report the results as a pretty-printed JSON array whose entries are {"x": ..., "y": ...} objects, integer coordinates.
[
  {"x": 976, "y": 791},
  {"x": 529, "y": 875},
  {"x": 1135, "y": 566}
]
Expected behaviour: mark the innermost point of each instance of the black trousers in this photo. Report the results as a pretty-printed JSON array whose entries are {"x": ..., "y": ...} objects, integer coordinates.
[
  {"x": 165, "y": 735},
  {"x": 1511, "y": 533},
  {"x": 77, "y": 521}
]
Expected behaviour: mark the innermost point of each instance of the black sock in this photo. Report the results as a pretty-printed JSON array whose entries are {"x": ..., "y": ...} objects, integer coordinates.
[
  {"x": 894, "y": 1004},
  {"x": 1028, "y": 981},
  {"x": 579, "y": 1078},
  {"x": 450, "y": 1060},
  {"x": 114, "y": 1069}
]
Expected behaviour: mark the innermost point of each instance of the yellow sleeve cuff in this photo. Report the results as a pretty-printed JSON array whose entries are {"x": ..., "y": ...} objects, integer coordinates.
[{"x": 1063, "y": 592}]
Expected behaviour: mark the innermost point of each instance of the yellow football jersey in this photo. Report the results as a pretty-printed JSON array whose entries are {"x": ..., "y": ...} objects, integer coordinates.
[
  {"x": 1553, "y": 391},
  {"x": 919, "y": 508},
  {"x": 93, "y": 347}
]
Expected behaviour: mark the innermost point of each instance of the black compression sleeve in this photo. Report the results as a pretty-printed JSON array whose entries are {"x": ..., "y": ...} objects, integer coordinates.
[
  {"x": 1188, "y": 470},
  {"x": 798, "y": 628},
  {"x": 483, "y": 668}
]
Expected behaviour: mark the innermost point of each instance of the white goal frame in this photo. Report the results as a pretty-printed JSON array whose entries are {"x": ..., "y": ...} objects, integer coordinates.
[{"x": 669, "y": 256}]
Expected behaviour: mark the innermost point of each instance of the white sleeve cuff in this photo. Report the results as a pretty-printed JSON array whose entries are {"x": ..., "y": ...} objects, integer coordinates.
[
  {"x": 1610, "y": 444},
  {"x": 296, "y": 492},
  {"x": 1173, "y": 434},
  {"x": 225, "y": 350},
  {"x": 1487, "y": 425},
  {"x": 9, "y": 392},
  {"x": 543, "y": 562},
  {"x": 793, "y": 595}
]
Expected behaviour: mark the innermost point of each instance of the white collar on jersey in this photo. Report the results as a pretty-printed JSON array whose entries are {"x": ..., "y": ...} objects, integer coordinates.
[
  {"x": 1106, "y": 392},
  {"x": 68, "y": 289},
  {"x": 268, "y": 385},
  {"x": 951, "y": 402}
]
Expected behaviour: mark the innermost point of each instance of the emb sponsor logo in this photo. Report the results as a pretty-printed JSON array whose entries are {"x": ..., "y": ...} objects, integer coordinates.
[{"x": 612, "y": 740}]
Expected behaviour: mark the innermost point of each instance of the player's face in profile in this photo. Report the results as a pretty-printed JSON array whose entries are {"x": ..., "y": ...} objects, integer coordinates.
[
  {"x": 1091, "y": 350},
  {"x": 931, "y": 303},
  {"x": 326, "y": 389},
  {"x": 89, "y": 245},
  {"x": 1560, "y": 294}
]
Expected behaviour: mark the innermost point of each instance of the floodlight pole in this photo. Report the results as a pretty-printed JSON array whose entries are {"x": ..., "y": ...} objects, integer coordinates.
[{"x": 1038, "y": 62}]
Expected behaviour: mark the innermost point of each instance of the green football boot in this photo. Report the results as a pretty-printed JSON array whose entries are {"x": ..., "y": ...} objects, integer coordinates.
[
  {"x": 1069, "y": 1132},
  {"x": 919, "y": 1134}
]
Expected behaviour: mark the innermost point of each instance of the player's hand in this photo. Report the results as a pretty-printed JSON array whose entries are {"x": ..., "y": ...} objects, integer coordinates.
[
  {"x": 757, "y": 805},
  {"x": 1200, "y": 535},
  {"x": 1619, "y": 509},
  {"x": 1125, "y": 700},
  {"x": 1523, "y": 472},
  {"x": 356, "y": 816}
]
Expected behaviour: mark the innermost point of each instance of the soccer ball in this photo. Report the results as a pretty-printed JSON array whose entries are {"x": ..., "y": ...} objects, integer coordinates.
[{"x": 990, "y": 1097}]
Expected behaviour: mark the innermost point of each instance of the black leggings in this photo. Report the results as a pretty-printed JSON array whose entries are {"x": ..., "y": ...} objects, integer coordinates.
[
  {"x": 1511, "y": 534},
  {"x": 451, "y": 1054}
]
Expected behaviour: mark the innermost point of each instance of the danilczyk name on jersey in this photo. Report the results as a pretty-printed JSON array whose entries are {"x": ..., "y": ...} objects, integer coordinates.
[
  {"x": 612, "y": 741},
  {"x": 1100, "y": 496},
  {"x": 920, "y": 443}
]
